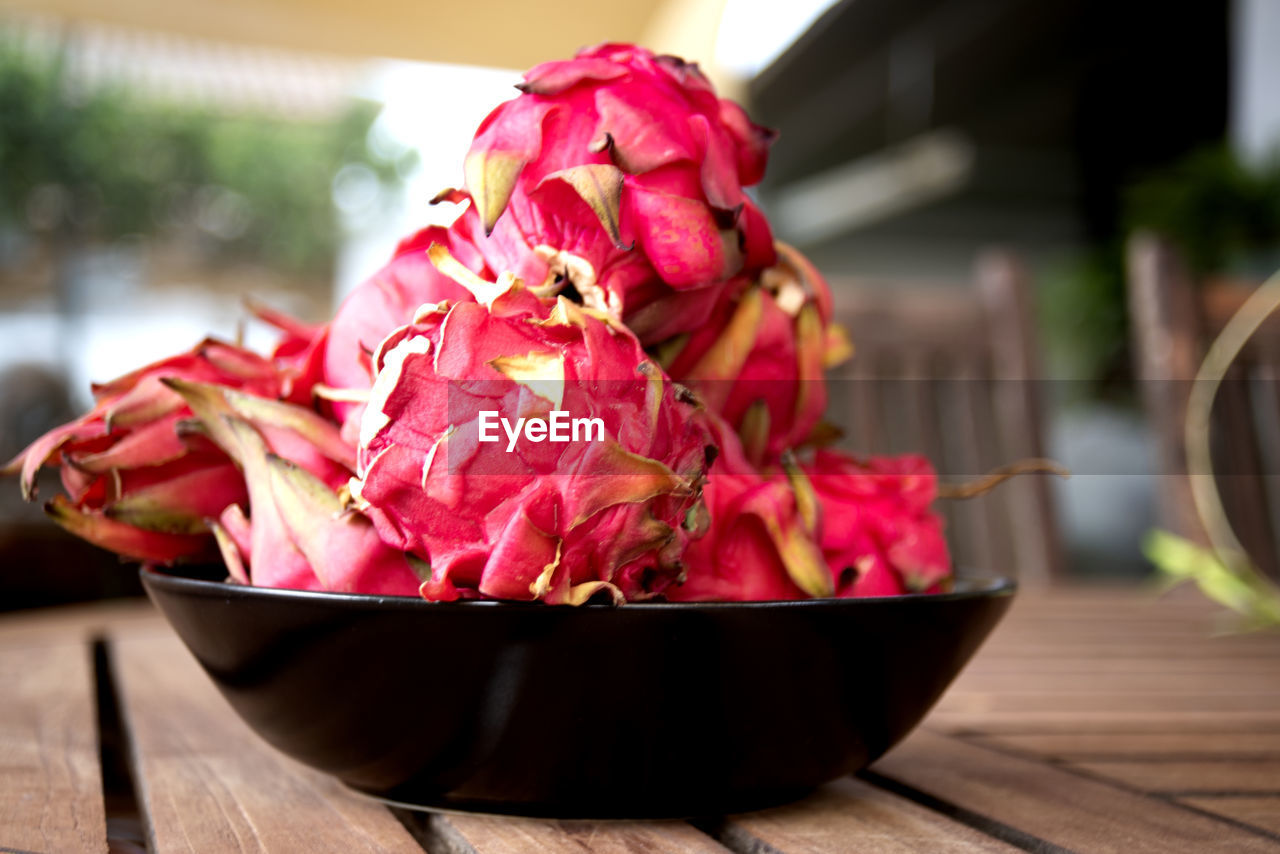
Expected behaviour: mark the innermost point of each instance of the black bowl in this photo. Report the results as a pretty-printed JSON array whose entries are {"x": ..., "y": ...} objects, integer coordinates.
[{"x": 640, "y": 711}]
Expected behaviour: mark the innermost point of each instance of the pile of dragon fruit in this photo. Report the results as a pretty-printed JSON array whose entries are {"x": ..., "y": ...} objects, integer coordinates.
[{"x": 603, "y": 380}]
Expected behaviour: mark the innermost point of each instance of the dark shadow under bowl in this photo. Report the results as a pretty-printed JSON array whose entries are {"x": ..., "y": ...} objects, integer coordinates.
[{"x": 640, "y": 711}]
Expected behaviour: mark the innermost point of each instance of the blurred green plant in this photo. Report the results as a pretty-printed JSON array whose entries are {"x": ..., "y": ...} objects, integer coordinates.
[
  {"x": 1248, "y": 594},
  {"x": 1222, "y": 213},
  {"x": 102, "y": 163},
  {"x": 1218, "y": 210},
  {"x": 1085, "y": 325}
]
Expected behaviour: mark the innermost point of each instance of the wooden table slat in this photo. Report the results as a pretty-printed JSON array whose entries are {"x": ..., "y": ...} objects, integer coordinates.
[
  {"x": 1259, "y": 811},
  {"x": 50, "y": 777},
  {"x": 71, "y": 623},
  {"x": 1085, "y": 745},
  {"x": 1038, "y": 647},
  {"x": 977, "y": 718},
  {"x": 1048, "y": 668},
  {"x": 854, "y": 814},
  {"x": 482, "y": 834},
  {"x": 208, "y": 783},
  {"x": 1232, "y": 776},
  {"x": 1056, "y": 805},
  {"x": 1108, "y": 685},
  {"x": 1030, "y": 703}
]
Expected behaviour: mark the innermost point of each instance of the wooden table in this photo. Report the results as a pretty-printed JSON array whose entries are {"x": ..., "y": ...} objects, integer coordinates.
[{"x": 1093, "y": 720}]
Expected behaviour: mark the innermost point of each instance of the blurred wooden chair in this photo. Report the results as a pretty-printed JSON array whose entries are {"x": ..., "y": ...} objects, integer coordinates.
[
  {"x": 1174, "y": 319},
  {"x": 952, "y": 371}
]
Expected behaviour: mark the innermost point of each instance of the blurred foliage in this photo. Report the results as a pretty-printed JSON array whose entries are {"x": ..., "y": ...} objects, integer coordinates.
[
  {"x": 103, "y": 163},
  {"x": 1084, "y": 318},
  {"x": 1248, "y": 593},
  {"x": 1223, "y": 214},
  {"x": 1216, "y": 209}
]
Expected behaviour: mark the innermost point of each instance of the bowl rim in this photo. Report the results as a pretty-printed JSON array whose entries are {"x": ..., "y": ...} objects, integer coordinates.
[{"x": 978, "y": 587}]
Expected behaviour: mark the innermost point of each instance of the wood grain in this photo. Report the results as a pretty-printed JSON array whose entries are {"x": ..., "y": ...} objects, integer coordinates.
[
  {"x": 1236, "y": 776},
  {"x": 50, "y": 778},
  {"x": 1117, "y": 661},
  {"x": 1261, "y": 812},
  {"x": 982, "y": 717},
  {"x": 481, "y": 834},
  {"x": 207, "y": 783},
  {"x": 851, "y": 814},
  {"x": 1148, "y": 683},
  {"x": 1077, "y": 745},
  {"x": 1056, "y": 805},
  {"x": 1263, "y": 668},
  {"x": 71, "y": 623},
  {"x": 1030, "y": 704}
]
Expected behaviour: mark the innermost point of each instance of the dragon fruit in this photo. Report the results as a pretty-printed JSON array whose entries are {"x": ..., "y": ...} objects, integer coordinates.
[
  {"x": 213, "y": 453},
  {"x": 760, "y": 362},
  {"x": 612, "y": 178},
  {"x": 529, "y": 519},
  {"x": 608, "y": 274},
  {"x": 831, "y": 526},
  {"x": 879, "y": 531},
  {"x": 140, "y": 477},
  {"x": 297, "y": 534},
  {"x": 620, "y": 174},
  {"x": 762, "y": 540}
]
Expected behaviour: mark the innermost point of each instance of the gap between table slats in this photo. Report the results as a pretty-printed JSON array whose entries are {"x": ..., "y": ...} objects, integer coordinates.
[
  {"x": 1060, "y": 804},
  {"x": 1223, "y": 781},
  {"x": 125, "y": 831}
]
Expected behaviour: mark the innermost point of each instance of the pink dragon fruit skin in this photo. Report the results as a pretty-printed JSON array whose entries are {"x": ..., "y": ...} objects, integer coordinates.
[
  {"x": 760, "y": 361},
  {"x": 165, "y": 466},
  {"x": 622, "y": 173},
  {"x": 878, "y": 524},
  {"x": 138, "y": 481},
  {"x": 297, "y": 533},
  {"x": 761, "y": 541},
  {"x": 558, "y": 522},
  {"x": 832, "y": 526}
]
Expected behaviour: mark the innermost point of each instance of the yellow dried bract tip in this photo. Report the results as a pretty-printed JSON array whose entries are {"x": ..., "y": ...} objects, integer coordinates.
[{"x": 491, "y": 177}]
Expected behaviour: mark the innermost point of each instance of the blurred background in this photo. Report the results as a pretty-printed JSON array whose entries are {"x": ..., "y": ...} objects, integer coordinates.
[{"x": 160, "y": 161}]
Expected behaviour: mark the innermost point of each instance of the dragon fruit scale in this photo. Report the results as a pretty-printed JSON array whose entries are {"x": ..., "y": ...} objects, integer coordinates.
[
  {"x": 214, "y": 453},
  {"x": 498, "y": 514},
  {"x": 763, "y": 538},
  {"x": 760, "y": 361},
  {"x": 831, "y": 525},
  {"x": 621, "y": 174},
  {"x": 297, "y": 533},
  {"x": 140, "y": 476},
  {"x": 879, "y": 528}
]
